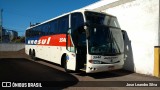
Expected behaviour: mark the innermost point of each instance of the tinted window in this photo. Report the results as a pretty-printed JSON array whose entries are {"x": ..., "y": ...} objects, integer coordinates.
[
  {"x": 39, "y": 33},
  {"x": 76, "y": 23},
  {"x": 101, "y": 19},
  {"x": 60, "y": 25},
  {"x": 46, "y": 29},
  {"x": 28, "y": 33},
  {"x": 76, "y": 20},
  {"x": 63, "y": 24},
  {"x": 54, "y": 27}
]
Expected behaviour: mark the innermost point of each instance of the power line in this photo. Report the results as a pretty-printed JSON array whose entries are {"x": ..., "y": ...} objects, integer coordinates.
[{"x": 1, "y": 24}]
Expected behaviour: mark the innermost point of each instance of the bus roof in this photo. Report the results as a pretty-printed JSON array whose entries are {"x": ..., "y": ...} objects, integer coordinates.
[{"x": 79, "y": 10}]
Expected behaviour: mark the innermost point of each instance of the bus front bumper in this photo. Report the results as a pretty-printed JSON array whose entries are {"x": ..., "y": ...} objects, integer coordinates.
[{"x": 93, "y": 68}]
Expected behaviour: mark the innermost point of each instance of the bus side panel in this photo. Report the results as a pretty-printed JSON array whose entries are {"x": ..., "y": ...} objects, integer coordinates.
[{"x": 49, "y": 48}]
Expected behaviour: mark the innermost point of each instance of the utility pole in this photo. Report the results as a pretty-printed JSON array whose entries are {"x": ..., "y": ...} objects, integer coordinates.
[{"x": 1, "y": 27}]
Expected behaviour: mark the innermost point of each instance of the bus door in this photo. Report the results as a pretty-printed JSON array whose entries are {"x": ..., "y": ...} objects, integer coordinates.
[
  {"x": 76, "y": 50},
  {"x": 76, "y": 42},
  {"x": 79, "y": 39},
  {"x": 70, "y": 55}
]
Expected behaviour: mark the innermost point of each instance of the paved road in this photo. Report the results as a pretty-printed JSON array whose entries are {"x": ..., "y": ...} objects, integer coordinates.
[
  {"x": 98, "y": 81},
  {"x": 16, "y": 66},
  {"x": 24, "y": 70}
]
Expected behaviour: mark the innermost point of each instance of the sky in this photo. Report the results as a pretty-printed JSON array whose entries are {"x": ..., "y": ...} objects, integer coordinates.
[{"x": 17, "y": 14}]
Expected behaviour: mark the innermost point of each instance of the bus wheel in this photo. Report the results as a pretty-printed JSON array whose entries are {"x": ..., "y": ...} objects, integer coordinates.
[
  {"x": 33, "y": 55},
  {"x": 65, "y": 64},
  {"x": 29, "y": 52}
]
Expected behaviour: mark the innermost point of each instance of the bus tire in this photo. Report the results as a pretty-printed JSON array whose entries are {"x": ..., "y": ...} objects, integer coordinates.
[
  {"x": 30, "y": 52},
  {"x": 33, "y": 54}
]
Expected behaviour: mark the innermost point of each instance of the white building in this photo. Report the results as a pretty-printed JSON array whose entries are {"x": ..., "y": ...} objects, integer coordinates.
[{"x": 140, "y": 19}]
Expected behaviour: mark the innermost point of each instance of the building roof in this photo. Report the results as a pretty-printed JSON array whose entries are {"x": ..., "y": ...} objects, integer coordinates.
[
  {"x": 99, "y": 4},
  {"x": 106, "y": 4}
]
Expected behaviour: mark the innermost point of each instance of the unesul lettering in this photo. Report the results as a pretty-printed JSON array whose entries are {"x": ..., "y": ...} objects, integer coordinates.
[{"x": 40, "y": 41}]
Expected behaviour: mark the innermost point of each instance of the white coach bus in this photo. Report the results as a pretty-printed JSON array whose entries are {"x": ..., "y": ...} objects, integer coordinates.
[{"x": 80, "y": 40}]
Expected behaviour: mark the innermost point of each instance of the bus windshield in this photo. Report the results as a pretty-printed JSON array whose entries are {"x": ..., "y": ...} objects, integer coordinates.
[
  {"x": 101, "y": 19},
  {"x": 105, "y": 36},
  {"x": 105, "y": 41}
]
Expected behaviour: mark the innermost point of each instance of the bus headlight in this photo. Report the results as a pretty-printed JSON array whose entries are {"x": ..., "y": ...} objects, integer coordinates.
[{"x": 96, "y": 62}]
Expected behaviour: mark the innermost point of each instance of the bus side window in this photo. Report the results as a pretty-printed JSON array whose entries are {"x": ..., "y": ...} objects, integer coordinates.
[
  {"x": 27, "y": 33},
  {"x": 48, "y": 29},
  {"x": 56, "y": 26},
  {"x": 52, "y": 28},
  {"x": 45, "y": 29},
  {"x": 38, "y": 31},
  {"x": 63, "y": 24},
  {"x": 76, "y": 22},
  {"x": 32, "y": 32}
]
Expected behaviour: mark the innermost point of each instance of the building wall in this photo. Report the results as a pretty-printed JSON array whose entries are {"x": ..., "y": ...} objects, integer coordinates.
[
  {"x": 11, "y": 46},
  {"x": 140, "y": 20}
]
